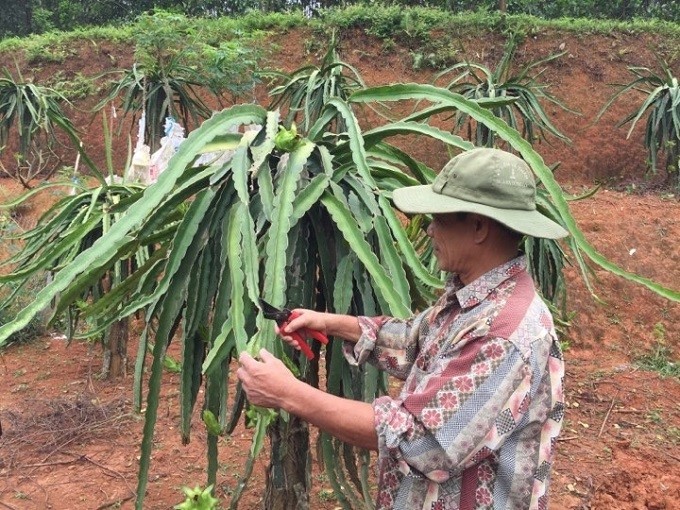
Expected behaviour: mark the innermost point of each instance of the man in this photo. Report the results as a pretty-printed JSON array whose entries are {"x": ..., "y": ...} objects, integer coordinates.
[{"x": 475, "y": 424}]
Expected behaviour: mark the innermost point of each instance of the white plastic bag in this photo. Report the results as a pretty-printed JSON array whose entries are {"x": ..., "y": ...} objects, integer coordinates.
[
  {"x": 141, "y": 157},
  {"x": 174, "y": 136}
]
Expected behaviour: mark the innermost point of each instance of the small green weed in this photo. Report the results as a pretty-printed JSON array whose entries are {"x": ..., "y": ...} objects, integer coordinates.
[
  {"x": 614, "y": 319},
  {"x": 659, "y": 332},
  {"x": 6, "y": 222},
  {"x": 327, "y": 495},
  {"x": 673, "y": 434},
  {"x": 661, "y": 359},
  {"x": 389, "y": 45},
  {"x": 78, "y": 87},
  {"x": 655, "y": 416}
]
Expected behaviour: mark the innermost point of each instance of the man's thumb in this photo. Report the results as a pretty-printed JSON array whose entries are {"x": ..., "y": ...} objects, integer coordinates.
[
  {"x": 266, "y": 356},
  {"x": 244, "y": 358}
]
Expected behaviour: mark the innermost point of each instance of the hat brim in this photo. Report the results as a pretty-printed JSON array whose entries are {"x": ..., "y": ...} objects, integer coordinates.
[{"x": 423, "y": 200}]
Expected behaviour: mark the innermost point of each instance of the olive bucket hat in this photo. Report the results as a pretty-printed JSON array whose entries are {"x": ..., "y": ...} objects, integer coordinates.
[{"x": 484, "y": 181}]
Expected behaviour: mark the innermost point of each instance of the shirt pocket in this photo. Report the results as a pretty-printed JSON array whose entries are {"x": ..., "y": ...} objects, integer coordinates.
[{"x": 464, "y": 334}]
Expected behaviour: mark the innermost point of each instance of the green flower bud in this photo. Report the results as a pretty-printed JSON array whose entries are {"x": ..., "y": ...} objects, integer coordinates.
[
  {"x": 211, "y": 423},
  {"x": 198, "y": 499},
  {"x": 287, "y": 140}
]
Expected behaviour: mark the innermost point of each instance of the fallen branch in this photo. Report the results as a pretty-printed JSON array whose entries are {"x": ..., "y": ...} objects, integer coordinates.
[
  {"x": 116, "y": 503},
  {"x": 672, "y": 456},
  {"x": 106, "y": 469},
  {"x": 606, "y": 417},
  {"x": 59, "y": 448},
  {"x": 48, "y": 464}
]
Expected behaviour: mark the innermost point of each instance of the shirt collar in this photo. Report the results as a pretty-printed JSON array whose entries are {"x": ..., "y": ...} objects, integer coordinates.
[{"x": 476, "y": 291}]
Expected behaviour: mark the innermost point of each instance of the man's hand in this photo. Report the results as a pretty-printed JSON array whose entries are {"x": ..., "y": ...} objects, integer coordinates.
[
  {"x": 302, "y": 318},
  {"x": 343, "y": 326},
  {"x": 267, "y": 382}
]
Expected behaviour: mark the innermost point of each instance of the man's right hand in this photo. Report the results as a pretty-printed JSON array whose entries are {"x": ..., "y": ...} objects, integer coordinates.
[
  {"x": 302, "y": 318},
  {"x": 330, "y": 324}
]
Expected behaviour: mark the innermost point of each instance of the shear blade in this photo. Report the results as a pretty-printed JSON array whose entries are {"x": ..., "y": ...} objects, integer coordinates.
[{"x": 271, "y": 312}]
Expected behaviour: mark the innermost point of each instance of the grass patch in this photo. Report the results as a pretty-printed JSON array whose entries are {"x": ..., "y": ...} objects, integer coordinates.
[
  {"x": 660, "y": 360},
  {"x": 78, "y": 87}
]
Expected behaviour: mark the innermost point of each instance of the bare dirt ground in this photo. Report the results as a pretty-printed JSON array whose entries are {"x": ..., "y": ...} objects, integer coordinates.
[{"x": 71, "y": 440}]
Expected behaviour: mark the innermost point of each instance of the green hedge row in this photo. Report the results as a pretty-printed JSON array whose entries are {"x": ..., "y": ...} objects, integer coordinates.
[{"x": 39, "y": 16}]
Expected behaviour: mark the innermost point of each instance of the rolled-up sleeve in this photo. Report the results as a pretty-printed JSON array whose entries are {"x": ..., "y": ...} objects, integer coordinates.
[{"x": 390, "y": 344}]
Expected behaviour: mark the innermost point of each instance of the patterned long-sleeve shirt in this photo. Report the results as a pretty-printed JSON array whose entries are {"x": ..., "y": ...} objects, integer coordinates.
[{"x": 476, "y": 422}]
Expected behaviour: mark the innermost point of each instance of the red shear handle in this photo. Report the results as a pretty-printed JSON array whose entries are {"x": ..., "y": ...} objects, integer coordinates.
[
  {"x": 309, "y": 332},
  {"x": 303, "y": 333},
  {"x": 306, "y": 349},
  {"x": 315, "y": 334}
]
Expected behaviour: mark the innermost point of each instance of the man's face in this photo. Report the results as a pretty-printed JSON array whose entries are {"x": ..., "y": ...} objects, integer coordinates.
[{"x": 452, "y": 241}]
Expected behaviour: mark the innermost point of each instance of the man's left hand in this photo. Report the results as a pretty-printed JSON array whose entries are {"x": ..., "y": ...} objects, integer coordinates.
[{"x": 267, "y": 382}]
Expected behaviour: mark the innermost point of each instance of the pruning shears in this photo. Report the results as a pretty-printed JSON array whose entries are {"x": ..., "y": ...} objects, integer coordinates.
[{"x": 283, "y": 316}]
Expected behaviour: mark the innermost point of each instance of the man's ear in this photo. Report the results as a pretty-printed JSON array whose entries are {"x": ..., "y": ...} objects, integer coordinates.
[{"x": 481, "y": 228}]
